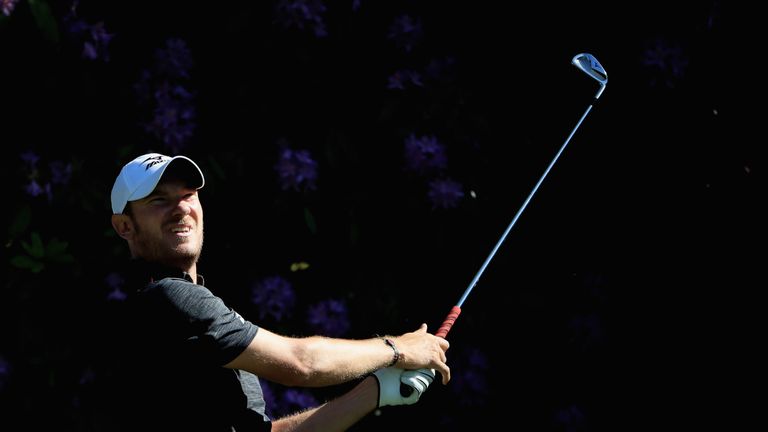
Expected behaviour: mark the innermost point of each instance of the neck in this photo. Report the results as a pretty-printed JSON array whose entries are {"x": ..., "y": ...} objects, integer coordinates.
[{"x": 192, "y": 271}]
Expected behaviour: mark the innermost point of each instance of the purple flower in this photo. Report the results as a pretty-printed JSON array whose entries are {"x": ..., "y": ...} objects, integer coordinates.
[
  {"x": 296, "y": 169},
  {"x": 269, "y": 397},
  {"x": 402, "y": 78},
  {"x": 5, "y": 372},
  {"x": 477, "y": 359},
  {"x": 424, "y": 154},
  {"x": 116, "y": 283},
  {"x": 93, "y": 37},
  {"x": 666, "y": 61},
  {"x": 114, "y": 280},
  {"x": 174, "y": 115},
  {"x": 445, "y": 193},
  {"x": 406, "y": 32},
  {"x": 329, "y": 318},
  {"x": 443, "y": 70},
  {"x": 161, "y": 91},
  {"x": 117, "y": 295},
  {"x": 297, "y": 400},
  {"x": 60, "y": 173},
  {"x": 143, "y": 88},
  {"x": 586, "y": 331},
  {"x": 49, "y": 192},
  {"x": 281, "y": 401},
  {"x": 174, "y": 60},
  {"x": 274, "y": 296},
  {"x": 75, "y": 26},
  {"x": 302, "y": 14},
  {"x": 96, "y": 47},
  {"x": 570, "y": 419},
  {"x": 356, "y": 5},
  {"x": 87, "y": 377},
  {"x": 714, "y": 15},
  {"x": 33, "y": 189},
  {"x": 470, "y": 381},
  {"x": 30, "y": 158},
  {"x": 7, "y": 6}
]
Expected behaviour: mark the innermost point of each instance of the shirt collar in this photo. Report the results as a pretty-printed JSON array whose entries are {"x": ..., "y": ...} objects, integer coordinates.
[{"x": 145, "y": 272}]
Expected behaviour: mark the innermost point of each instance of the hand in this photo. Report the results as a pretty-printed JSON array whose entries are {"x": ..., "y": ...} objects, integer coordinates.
[
  {"x": 416, "y": 381},
  {"x": 419, "y": 349},
  {"x": 389, "y": 380}
]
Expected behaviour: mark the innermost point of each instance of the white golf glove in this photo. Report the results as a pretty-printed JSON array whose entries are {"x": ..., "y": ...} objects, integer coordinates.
[{"x": 390, "y": 379}]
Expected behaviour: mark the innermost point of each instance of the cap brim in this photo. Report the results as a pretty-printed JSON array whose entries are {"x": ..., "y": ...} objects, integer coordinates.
[{"x": 188, "y": 171}]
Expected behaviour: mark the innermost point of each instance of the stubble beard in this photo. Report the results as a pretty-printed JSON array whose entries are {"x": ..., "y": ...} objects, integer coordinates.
[{"x": 153, "y": 250}]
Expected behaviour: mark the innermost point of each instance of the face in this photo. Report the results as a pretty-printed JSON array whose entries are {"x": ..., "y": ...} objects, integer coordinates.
[{"x": 168, "y": 225}]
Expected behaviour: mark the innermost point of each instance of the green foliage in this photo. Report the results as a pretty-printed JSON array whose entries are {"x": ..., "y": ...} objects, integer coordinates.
[
  {"x": 39, "y": 254},
  {"x": 310, "y": 220},
  {"x": 45, "y": 20},
  {"x": 26, "y": 263},
  {"x": 36, "y": 248},
  {"x": 20, "y": 222}
]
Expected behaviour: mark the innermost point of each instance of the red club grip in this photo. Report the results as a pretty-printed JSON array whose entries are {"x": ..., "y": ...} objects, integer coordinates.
[{"x": 448, "y": 323}]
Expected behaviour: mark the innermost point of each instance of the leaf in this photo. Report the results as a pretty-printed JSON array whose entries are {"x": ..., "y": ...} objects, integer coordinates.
[
  {"x": 45, "y": 20},
  {"x": 310, "y": 220},
  {"x": 27, "y": 263},
  {"x": 63, "y": 258},
  {"x": 36, "y": 249},
  {"x": 55, "y": 248},
  {"x": 20, "y": 222}
]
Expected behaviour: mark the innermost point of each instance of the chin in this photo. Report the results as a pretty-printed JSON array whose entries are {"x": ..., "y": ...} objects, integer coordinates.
[
  {"x": 188, "y": 252},
  {"x": 183, "y": 260}
]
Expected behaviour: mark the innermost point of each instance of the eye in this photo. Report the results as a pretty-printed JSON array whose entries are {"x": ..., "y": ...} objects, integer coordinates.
[{"x": 157, "y": 200}]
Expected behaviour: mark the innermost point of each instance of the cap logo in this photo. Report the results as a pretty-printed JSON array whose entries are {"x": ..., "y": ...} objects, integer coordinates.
[{"x": 151, "y": 161}]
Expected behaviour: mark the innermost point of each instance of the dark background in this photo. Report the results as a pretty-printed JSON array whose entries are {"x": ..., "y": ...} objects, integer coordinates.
[{"x": 621, "y": 298}]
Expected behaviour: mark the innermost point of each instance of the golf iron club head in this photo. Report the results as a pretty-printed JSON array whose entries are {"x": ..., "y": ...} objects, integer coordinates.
[{"x": 590, "y": 66}]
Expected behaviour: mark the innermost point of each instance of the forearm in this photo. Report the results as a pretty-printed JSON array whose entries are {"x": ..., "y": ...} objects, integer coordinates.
[
  {"x": 337, "y": 415},
  {"x": 312, "y": 361},
  {"x": 320, "y": 361},
  {"x": 334, "y": 361}
]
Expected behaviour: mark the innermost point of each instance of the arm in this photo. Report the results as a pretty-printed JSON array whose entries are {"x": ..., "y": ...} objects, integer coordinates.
[
  {"x": 378, "y": 390},
  {"x": 320, "y": 361},
  {"x": 337, "y": 415}
]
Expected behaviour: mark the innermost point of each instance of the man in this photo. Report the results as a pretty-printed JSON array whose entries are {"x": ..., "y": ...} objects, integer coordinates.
[{"x": 188, "y": 362}]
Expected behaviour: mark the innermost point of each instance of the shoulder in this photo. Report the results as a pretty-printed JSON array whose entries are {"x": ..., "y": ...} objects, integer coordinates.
[
  {"x": 174, "y": 289},
  {"x": 181, "y": 295}
]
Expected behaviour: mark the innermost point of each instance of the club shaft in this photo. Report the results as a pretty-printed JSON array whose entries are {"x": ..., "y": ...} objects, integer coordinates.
[
  {"x": 453, "y": 315},
  {"x": 519, "y": 212}
]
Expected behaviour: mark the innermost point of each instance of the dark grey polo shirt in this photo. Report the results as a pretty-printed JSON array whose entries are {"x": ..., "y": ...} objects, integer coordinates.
[{"x": 180, "y": 336}]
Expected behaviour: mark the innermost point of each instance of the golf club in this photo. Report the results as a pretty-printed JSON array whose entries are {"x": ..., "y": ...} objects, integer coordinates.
[{"x": 589, "y": 65}]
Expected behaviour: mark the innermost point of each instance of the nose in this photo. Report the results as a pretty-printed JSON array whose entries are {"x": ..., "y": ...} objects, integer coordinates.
[{"x": 182, "y": 208}]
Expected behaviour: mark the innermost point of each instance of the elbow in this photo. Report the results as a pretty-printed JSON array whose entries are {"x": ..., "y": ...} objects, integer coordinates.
[
  {"x": 302, "y": 367},
  {"x": 307, "y": 370},
  {"x": 300, "y": 376}
]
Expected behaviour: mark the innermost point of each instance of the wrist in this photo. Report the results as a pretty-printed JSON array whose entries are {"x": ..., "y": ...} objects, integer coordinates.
[{"x": 395, "y": 351}]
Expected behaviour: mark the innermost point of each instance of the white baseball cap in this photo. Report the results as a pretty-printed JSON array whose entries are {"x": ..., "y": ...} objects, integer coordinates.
[{"x": 139, "y": 177}]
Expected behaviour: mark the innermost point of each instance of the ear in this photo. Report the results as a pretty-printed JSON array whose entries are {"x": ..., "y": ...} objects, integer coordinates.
[{"x": 123, "y": 225}]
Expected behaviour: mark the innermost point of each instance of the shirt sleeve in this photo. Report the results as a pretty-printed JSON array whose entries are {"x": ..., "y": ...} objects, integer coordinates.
[{"x": 211, "y": 329}]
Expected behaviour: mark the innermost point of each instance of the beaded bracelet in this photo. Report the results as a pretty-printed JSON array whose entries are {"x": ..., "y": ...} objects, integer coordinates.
[{"x": 396, "y": 355}]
